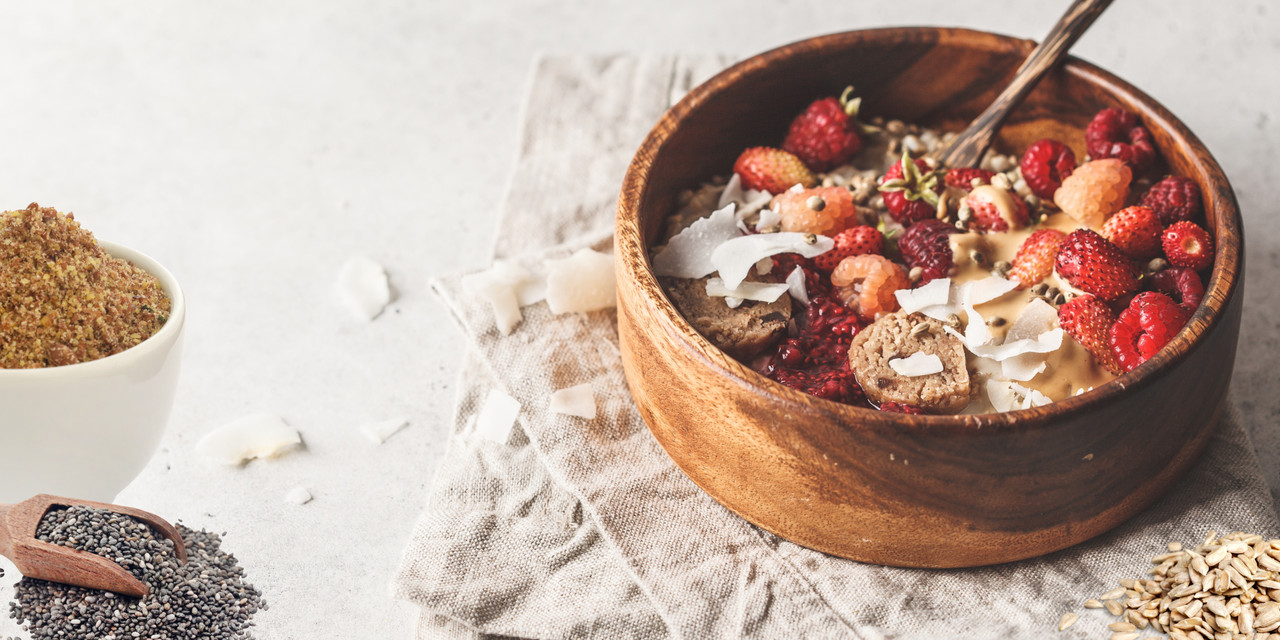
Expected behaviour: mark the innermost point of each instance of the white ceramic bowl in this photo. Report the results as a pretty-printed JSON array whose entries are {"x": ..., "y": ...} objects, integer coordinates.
[{"x": 86, "y": 430}]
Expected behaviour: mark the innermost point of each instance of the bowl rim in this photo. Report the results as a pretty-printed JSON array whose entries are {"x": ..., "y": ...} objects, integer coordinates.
[
  {"x": 1222, "y": 286},
  {"x": 124, "y": 359}
]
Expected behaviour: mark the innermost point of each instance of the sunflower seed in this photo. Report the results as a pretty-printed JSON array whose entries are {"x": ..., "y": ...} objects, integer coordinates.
[
  {"x": 1092, "y": 603},
  {"x": 1122, "y": 626},
  {"x": 1067, "y": 620},
  {"x": 1112, "y": 594},
  {"x": 1114, "y": 607}
]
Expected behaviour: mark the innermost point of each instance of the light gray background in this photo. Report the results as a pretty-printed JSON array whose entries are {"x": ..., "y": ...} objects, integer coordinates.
[{"x": 252, "y": 147}]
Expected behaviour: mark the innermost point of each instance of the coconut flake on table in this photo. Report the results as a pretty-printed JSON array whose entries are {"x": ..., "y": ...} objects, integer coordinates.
[
  {"x": 734, "y": 258},
  {"x": 688, "y": 253},
  {"x": 577, "y": 401},
  {"x": 757, "y": 291},
  {"x": 260, "y": 435},
  {"x": 298, "y": 495},
  {"x": 497, "y": 415},
  {"x": 506, "y": 286},
  {"x": 917, "y": 364},
  {"x": 378, "y": 432},
  {"x": 796, "y": 286},
  {"x": 363, "y": 287},
  {"x": 934, "y": 294},
  {"x": 582, "y": 282}
]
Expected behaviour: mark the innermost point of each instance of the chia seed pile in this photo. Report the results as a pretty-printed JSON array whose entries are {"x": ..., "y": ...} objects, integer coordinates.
[{"x": 207, "y": 598}]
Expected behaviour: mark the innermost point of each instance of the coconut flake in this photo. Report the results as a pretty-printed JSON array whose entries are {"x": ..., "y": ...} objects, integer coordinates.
[
  {"x": 259, "y": 435},
  {"x": 732, "y": 302},
  {"x": 1023, "y": 367},
  {"x": 734, "y": 258},
  {"x": 935, "y": 293},
  {"x": 1030, "y": 397},
  {"x": 1036, "y": 318},
  {"x": 378, "y": 432},
  {"x": 987, "y": 289},
  {"x": 582, "y": 282},
  {"x": 363, "y": 287},
  {"x": 758, "y": 291},
  {"x": 1001, "y": 396},
  {"x": 764, "y": 266},
  {"x": 796, "y": 286},
  {"x": 917, "y": 364},
  {"x": 497, "y": 416},
  {"x": 768, "y": 218},
  {"x": 688, "y": 253},
  {"x": 976, "y": 332},
  {"x": 578, "y": 401},
  {"x": 298, "y": 495},
  {"x": 733, "y": 191},
  {"x": 1046, "y": 342},
  {"x": 506, "y": 286}
]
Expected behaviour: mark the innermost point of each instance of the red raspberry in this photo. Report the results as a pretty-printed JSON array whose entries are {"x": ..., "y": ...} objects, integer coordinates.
[
  {"x": 1094, "y": 265},
  {"x": 1146, "y": 326},
  {"x": 834, "y": 209},
  {"x": 997, "y": 209},
  {"x": 825, "y": 135},
  {"x": 1136, "y": 230},
  {"x": 1186, "y": 244},
  {"x": 1181, "y": 284},
  {"x": 1116, "y": 133},
  {"x": 853, "y": 241},
  {"x": 830, "y": 383},
  {"x": 1089, "y": 320},
  {"x": 897, "y": 407},
  {"x": 963, "y": 179},
  {"x": 926, "y": 244},
  {"x": 1173, "y": 199},
  {"x": 772, "y": 170},
  {"x": 1034, "y": 260},
  {"x": 1045, "y": 164},
  {"x": 914, "y": 196}
]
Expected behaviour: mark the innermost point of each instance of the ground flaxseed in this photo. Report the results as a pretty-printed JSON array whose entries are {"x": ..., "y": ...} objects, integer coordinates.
[{"x": 63, "y": 299}]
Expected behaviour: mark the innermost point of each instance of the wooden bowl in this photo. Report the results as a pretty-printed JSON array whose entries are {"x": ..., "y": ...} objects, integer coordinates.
[{"x": 915, "y": 491}]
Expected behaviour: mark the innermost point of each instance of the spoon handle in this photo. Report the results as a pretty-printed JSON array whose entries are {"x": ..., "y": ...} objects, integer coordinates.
[{"x": 968, "y": 147}]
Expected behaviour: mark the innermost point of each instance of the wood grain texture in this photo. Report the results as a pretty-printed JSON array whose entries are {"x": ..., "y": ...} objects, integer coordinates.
[
  {"x": 56, "y": 563},
  {"x": 918, "y": 491}
]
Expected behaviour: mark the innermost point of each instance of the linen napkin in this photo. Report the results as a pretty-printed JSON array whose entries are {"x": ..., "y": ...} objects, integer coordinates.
[{"x": 574, "y": 528}]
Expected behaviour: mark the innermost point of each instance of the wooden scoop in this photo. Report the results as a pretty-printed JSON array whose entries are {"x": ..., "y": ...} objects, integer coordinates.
[
  {"x": 56, "y": 563},
  {"x": 967, "y": 149}
]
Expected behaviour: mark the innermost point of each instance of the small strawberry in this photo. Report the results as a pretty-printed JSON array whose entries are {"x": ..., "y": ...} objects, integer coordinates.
[
  {"x": 1136, "y": 230},
  {"x": 1149, "y": 322},
  {"x": 1094, "y": 265},
  {"x": 963, "y": 178},
  {"x": 1089, "y": 320},
  {"x": 996, "y": 209},
  {"x": 772, "y": 170},
  {"x": 1186, "y": 244},
  {"x": 1116, "y": 133},
  {"x": 1174, "y": 198},
  {"x": 853, "y": 241},
  {"x": 1034, "y": 260},
  {"x": 910, "y": 190},
  {"x": 1045, "y": 164},
  {"x": 1181, "y": 284},
  {"x": 826, "y": 134}
]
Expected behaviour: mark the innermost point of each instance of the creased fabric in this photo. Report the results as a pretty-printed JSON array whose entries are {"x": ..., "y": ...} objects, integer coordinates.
[{"x": 576, "y": 528}]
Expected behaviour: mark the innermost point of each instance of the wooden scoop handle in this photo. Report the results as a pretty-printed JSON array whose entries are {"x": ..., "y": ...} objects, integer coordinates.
[{"x": 967, "y": 149}]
